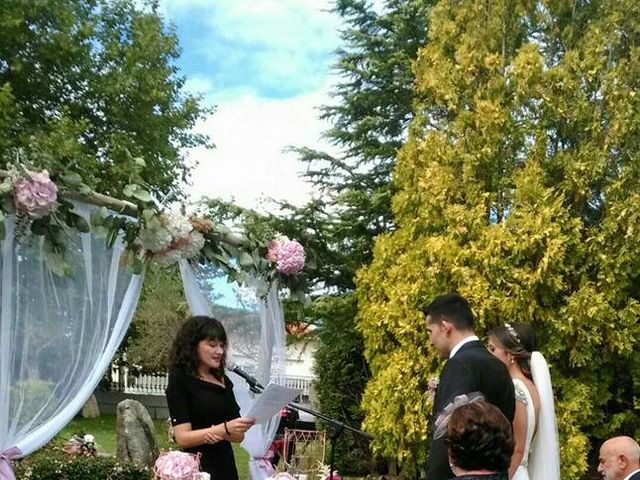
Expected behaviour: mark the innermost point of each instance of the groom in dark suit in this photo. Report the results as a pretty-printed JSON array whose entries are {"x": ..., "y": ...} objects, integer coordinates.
[
  {"x": 469, "y": 368},
  {"x": 619, "y": 459}
]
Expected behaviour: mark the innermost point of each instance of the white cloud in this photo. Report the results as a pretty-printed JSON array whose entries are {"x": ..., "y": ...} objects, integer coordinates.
[
  {"x": 275, "y": 48},
  {"x": 278, "y": 23},
  {"x": 264, "y": 64},
  {"x": 198, "y": 84},
  {"x": 248, "y": 162}
]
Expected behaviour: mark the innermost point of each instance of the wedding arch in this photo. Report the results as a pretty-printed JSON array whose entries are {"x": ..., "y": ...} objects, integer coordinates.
[{"x": 72, "y": 271}]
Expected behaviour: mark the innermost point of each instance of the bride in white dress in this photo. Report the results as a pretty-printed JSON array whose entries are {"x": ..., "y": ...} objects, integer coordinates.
[{"x": 536, "y": 452}]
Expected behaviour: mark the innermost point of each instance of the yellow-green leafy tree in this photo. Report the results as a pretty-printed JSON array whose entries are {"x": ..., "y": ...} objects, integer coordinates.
[{"x": 519, "y": 187}]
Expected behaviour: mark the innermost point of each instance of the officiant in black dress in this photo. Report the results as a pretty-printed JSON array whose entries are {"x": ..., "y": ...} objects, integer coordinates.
[
  {"x": 470, "y": 368},
  {"x": 204, "y": 413}
]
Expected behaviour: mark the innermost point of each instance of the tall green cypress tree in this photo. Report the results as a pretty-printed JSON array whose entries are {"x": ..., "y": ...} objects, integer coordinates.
[{"x": 518, "y": 187}]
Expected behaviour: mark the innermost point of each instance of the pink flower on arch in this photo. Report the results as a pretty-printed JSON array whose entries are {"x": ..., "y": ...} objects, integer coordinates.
[
  {"x": 35, "y": 195},
  {"x": 288, "y": 255}
]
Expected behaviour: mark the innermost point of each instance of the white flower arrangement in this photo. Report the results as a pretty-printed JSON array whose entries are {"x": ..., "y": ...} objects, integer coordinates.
[
  {"x": 169, "y": 239},
  {"x": 324, "y": 472}
]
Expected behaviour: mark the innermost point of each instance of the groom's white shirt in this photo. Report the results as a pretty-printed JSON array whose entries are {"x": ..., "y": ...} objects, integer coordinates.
[
  {"x": 459, "y": 345},
  {"x": 631, "y": 474}
]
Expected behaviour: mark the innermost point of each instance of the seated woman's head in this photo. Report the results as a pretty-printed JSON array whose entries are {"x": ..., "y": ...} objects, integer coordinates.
[{"x": 479, "y": 437}]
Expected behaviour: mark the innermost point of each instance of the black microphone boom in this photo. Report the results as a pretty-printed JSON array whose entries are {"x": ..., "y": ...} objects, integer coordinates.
[
  {"x": 335, "y": 427},
  {"x": 251, "y": 380}
]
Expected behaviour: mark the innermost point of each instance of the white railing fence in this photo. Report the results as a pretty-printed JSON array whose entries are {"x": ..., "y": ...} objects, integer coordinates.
[{"x": 155, "y": 384}]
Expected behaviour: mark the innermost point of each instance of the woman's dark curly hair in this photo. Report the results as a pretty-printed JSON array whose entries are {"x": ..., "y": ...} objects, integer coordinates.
[
  {"x": 519, "y": 339},
  {"x": 184, "y": 351},
  {"x": 479, "y": 437}
]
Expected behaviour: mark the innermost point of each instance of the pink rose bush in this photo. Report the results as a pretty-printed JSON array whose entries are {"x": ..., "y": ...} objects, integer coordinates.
[
  {"x": 288, "y": 255},
  {"x": 175, "y": 465},
  {"x": 35, "y": 194}
]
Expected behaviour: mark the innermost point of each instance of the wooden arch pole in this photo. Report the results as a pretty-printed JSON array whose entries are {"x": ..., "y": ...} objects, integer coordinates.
[{"x": 130, "y": 209}]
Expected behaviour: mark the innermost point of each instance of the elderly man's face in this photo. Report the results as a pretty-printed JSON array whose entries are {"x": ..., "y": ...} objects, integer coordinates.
[{"x": 609, "y": 464}]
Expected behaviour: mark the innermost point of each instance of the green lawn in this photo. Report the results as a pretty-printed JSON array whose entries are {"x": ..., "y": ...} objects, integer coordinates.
[{"x": 104, "y": 430}]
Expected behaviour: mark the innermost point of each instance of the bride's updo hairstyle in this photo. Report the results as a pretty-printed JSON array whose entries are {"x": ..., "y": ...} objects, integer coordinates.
[{"x": 519, "y": 339}]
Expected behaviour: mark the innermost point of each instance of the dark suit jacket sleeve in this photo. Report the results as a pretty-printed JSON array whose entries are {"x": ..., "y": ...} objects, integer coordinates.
[{"x": 455, "y": 380}]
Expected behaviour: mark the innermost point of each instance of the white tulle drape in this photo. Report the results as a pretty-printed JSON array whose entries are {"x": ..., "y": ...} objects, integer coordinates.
[
  {"x": 57, "y": 334},
  {"x": 257, "y": 344},
  {"x": 544, "y": 459}
]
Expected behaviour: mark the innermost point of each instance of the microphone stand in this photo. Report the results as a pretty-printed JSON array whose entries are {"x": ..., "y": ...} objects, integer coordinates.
[{"x": 336, "y": 427}]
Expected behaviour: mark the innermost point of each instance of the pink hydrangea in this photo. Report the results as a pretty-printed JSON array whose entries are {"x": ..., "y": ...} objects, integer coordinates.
[
  {"x": 176, "y": 466},
  {"x": 35, "y": 195},
  {"x": 78, "y": 445},
  {"x": 288, "y": 255},
  {"x": 291, "y": 258}
]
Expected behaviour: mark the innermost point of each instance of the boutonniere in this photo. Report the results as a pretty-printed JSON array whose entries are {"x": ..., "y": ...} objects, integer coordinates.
[{"x": 432, "y": 386}]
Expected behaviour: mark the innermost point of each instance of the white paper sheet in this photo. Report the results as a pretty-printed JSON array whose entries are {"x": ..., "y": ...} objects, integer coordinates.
[{"x": 271, "y": 401}]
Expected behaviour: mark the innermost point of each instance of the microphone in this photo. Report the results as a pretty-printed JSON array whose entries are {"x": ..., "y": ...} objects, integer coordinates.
[{"x": 251, "y": 380}]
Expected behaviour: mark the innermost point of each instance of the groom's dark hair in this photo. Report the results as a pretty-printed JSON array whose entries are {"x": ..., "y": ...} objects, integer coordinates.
[{"x": 451, "y": 307}]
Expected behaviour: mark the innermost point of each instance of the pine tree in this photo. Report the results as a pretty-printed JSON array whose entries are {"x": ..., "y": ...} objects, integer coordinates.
[{"x": 370, "y": 115}]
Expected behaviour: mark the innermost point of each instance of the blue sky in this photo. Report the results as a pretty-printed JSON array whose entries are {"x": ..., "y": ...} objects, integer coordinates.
[
  {"x": 273, "y": 49},
  {"x": 266, "y": 66}
]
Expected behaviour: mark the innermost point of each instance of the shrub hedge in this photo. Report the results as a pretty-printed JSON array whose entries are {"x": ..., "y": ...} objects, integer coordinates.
[{"x": 51, "y": 463}]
